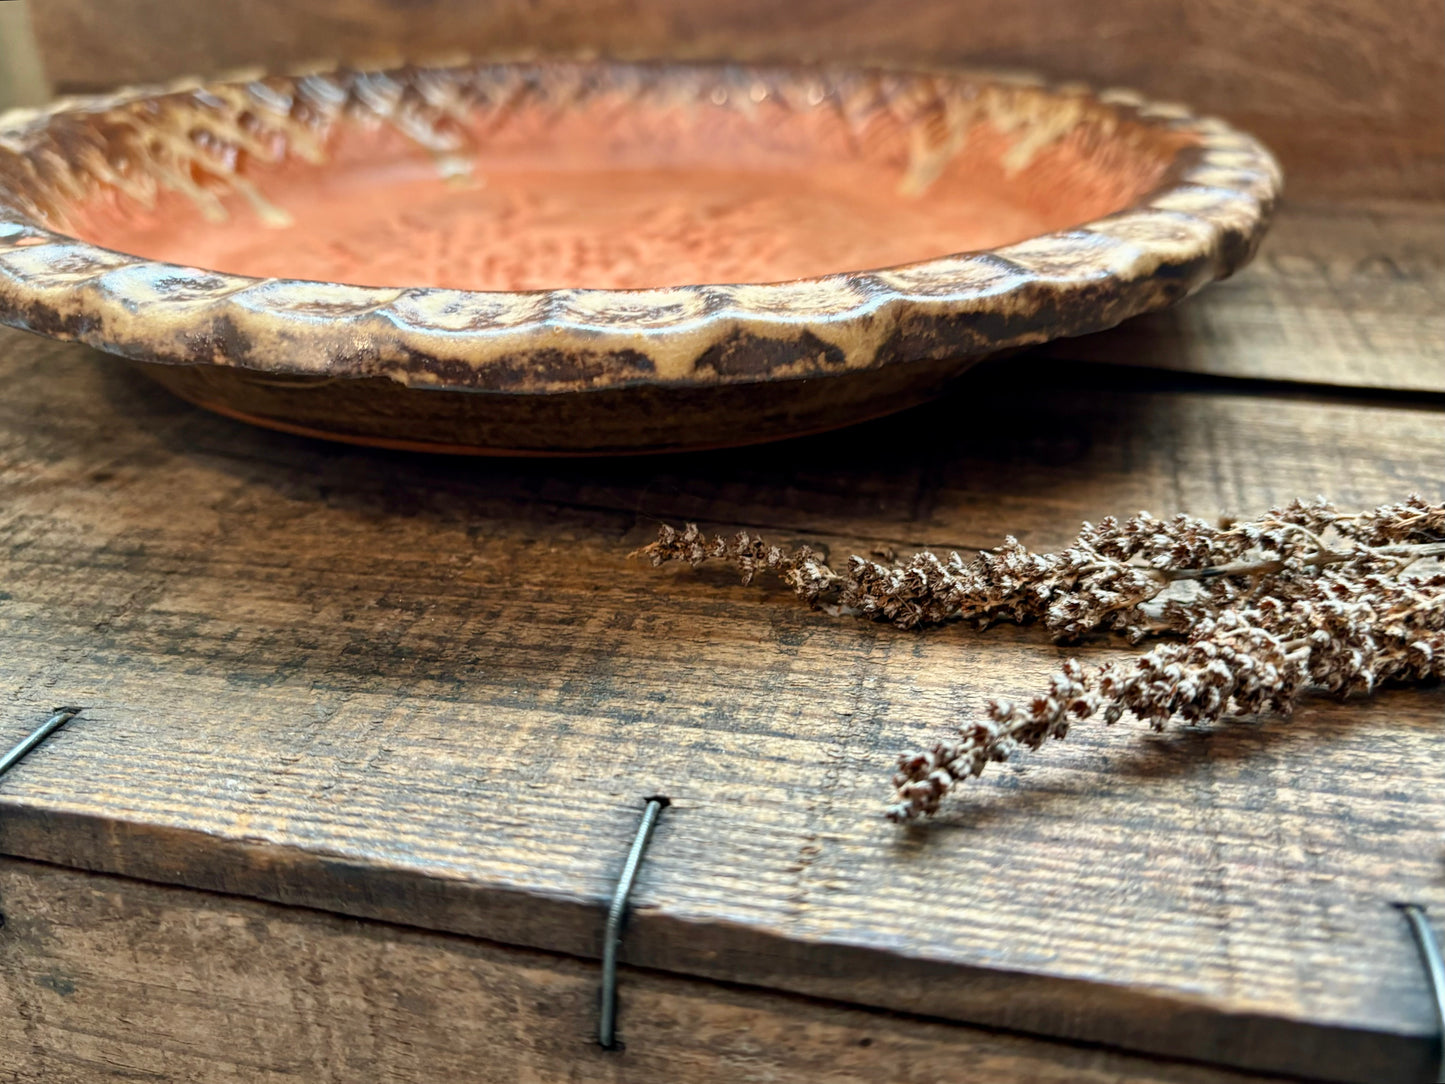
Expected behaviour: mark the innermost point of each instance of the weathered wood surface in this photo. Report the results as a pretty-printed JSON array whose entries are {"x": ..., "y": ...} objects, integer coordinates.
[
  {"x": 1344, "y": 296},
  {"x": 104, "y": 978},
  {"x": 434, "y": 692},
  {"x": 1346, "y": 91}
]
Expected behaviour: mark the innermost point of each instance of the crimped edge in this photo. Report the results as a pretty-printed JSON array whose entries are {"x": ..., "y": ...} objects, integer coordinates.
[{"x": 1203, "y": 223}]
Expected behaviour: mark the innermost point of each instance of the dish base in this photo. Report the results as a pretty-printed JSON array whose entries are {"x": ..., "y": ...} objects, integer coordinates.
[{"x": 619, "y": 421}]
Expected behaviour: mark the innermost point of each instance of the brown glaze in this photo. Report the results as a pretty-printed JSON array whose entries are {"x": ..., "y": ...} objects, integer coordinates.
[
  {"x": 649, "y": 418},
  {"x": 565, "y": 228}
]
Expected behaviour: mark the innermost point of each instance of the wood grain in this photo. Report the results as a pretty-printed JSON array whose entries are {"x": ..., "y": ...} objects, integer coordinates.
[
  {"x": 434, "y": 692},
  {"x": 112, "y": 978},
  {"x": 1352, "y": 297},
  {"x": 1347, "y": 91}
]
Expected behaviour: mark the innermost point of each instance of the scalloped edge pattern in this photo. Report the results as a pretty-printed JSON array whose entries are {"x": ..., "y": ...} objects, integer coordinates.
[{"x": 1202, "y": 224}]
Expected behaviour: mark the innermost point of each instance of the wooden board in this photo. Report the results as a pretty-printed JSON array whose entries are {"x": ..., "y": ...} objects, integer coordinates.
[
  {"x": 435, "y": 691},
  {"x": 1347, "y": 91},
  {"x": 1349, "y": 297},
  {"x": 110, "y": 978}
]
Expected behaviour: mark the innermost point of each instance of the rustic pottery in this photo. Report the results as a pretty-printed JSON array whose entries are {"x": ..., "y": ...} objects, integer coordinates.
[{"x": 583, "y": 257}]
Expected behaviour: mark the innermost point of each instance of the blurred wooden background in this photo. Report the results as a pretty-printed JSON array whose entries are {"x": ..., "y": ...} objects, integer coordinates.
[
  {"x": 22, "y": 81},
  {"x": 1348, "y": 92}
]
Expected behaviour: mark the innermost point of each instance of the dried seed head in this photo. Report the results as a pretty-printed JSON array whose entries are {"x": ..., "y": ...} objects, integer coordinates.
[{"x": 1302, "y": 597}]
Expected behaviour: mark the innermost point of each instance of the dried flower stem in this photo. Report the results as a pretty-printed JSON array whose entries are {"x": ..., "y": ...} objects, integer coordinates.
[
  {"x": 1407, "y": 554},
  {"x": 1303, "y": 597}
]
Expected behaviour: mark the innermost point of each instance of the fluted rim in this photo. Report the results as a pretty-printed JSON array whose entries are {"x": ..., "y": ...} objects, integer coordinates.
[{"x": 1202, "y": 223}]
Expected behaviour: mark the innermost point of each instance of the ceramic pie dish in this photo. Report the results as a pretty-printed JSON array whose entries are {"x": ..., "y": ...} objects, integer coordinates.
[{"x": 579, "y": 257}]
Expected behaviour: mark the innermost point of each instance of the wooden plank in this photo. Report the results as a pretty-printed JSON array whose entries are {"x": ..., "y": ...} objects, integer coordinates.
[
  {"x": 434, "y": 692},
  {"x": 1347, "y": 91},
  {"x": 112, "y": 978},
  {"x": 1351, "y": 297}
]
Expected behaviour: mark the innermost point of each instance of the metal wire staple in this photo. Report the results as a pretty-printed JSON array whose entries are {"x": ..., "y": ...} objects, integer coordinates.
[
  {"x": 616, "y": 913},
  {"x": 22, "y": 749},
  {"x": 1434, "y": 961}
]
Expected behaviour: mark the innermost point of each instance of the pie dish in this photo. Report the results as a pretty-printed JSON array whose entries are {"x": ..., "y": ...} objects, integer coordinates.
[{"x": 579, "y": 257}]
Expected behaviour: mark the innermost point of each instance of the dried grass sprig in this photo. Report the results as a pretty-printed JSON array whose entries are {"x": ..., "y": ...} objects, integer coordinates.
[{"x": 1303, "y": 597}]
